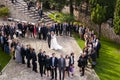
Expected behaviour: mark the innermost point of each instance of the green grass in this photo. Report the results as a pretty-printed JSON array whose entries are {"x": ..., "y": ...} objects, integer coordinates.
[
  {"x": 4, "y": 58},
  {"x": 108, "y": 64},
  {"x": 80, "y": 42},
  {"x": 108, "y": 67}
]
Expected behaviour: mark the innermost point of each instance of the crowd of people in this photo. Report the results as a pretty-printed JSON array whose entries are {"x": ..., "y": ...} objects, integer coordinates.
[
  {"x": 91, "y": 50},
  {"x": 24, "y": 54},
  {"x": 9, "y": 39}
]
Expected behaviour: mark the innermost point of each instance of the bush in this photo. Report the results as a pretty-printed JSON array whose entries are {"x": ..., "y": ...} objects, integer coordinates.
[
  {"x": 4, "y": 11},
  {"x": 61, "y": 17}
]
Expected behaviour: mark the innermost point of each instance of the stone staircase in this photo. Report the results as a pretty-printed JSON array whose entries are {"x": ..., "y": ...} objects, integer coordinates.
[{"x": 19, "y": 11}]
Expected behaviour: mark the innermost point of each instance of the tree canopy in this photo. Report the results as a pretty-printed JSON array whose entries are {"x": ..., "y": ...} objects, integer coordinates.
[
  {"x": 98, "y": 16},
  {"x": 117, "y": 18}
]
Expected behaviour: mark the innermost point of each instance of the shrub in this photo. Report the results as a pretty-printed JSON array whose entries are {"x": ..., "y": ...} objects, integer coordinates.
[{"x": 4, "y": 11}]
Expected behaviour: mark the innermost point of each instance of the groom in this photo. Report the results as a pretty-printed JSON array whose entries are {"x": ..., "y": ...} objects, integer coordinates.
[{"x": 49, "y": 39}]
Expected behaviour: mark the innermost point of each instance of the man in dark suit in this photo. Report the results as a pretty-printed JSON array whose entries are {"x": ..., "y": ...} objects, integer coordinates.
[
  {"x": 24, "y": 29},
  {"x": 56, "y": 29},
  {"x": 53, "y": 65},
  {"x": 23, "y": 54},
  {"x": 49, "y": 39},
  {"x": 97, "y": 47},
  {"x": 44, "y": 32},
  {"x": 20, "y": 26},
  {"x": 28, "y": 56},
  {"x": 61, "y": 66},
  {"x": 39, "y": 29},
  {"x": 71, "y": 29},
  {"x": 41, "y": 61},
  {"x": 60, "y": 28},
  {"x": 34, "y": 59}
]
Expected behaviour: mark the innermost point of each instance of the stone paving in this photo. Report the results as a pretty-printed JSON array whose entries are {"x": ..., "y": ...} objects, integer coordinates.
[{"x": 15, "y": 71}]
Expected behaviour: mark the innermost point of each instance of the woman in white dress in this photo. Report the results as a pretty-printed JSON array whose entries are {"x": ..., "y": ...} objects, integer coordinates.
[{"x": 54, "y": 43}]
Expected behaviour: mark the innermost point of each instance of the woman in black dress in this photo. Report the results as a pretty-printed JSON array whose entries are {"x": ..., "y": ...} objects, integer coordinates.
[{"x": 47, "y": 64}]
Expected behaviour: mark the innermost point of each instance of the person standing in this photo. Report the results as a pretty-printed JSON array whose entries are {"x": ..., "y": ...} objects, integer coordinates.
[
  {"x": 56, "y": 29},
  {"x": 41, "y": 61},
  {"x": 97, "y": 47},
  {"x": 40, "y": 12},
  {"x": 47, "y": 64},
  {"x": 34, "y": 31},
  {"x": 39, "y": 29},
  {"x": 34, "y": 59},
  {"x": 53, "y": 65},
  {"x": 72, "y": 63},
  {"x": 61, "y": 66},
  {"x": 64, "y": 29},
  {"x": 93, "y": 56},
  {"x": 17, "y": 53},
  {"x": 60, "y": 28},
  {"x": 28, "y": 56},
  {"x": 67, "y": 66},
  {"x": 44, "y": 31},
  {"x": 49, "y": 39},
  {"x": 82, "y": 63},
  {"x": 54, "y": 44},
  {"x": 23, "y": 53}
]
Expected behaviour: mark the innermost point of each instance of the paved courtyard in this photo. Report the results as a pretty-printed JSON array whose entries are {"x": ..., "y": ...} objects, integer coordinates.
[{"x": 15, "y": 71}]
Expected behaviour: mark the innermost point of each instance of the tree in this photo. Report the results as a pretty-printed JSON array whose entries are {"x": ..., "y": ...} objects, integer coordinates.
[
  {"x": 78, "y": 6},
  {"x": 117, "y": 18},
  {"x": 110, "y": 6},
  {"x": 98, "y": 16},
  {"x": 59, "y": 4}
]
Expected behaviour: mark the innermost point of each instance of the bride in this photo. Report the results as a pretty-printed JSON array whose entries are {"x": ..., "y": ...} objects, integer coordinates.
[{"x": 54, "y": 44}]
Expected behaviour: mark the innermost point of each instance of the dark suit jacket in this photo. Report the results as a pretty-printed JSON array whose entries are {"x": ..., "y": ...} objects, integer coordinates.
[
  {"x": 55, "y": 62},
  {"x": 60, "y": 27},
  {"x": 49, "y": 38},
  {"x": 28, "y": 54},
  {"x": 41, "y": 59},
  {"x": 23, "y": 51},
  {"x": 34, "y": 58},
  {"x": 71, "y": 60},
  {"x": 60, "y": 65}
]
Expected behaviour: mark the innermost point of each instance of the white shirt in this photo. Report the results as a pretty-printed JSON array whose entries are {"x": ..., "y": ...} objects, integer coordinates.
[
  {"x": 67, "y": 62},
  {"x": 53, "y": 61}
]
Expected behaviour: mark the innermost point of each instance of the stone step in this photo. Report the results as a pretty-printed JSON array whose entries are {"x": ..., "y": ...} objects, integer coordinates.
[
  {"x": 34, "y": 17},
  {"x": 27, "y": 13},
  {"x": 30, "y": 15},
  {"x": 48, "y": 20}
]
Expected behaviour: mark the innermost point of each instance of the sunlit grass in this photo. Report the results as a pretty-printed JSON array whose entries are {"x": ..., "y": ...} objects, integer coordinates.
[
  {"x": 108, "y": 64},
  {"x": 4, "y": 59}
]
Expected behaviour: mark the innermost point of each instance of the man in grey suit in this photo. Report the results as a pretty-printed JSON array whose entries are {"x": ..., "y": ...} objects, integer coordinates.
[{"x": 61, "y": 66}]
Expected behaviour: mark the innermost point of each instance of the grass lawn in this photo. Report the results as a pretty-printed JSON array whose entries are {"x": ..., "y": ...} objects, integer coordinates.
[
  {"x": 4, "y": 58},
  {"x": 108, "y": 65}
]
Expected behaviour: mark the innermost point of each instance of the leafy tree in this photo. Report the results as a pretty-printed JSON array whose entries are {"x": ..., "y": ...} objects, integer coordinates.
[
  {"x": 117, "y": 18},
  {"x": 59, "y": 4},
  {"x": 109, "y": 4},
  {"x": 78, "y": 6},
  {"x": 98, "y": 16},
  {"x": 68, "y": 18}
]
